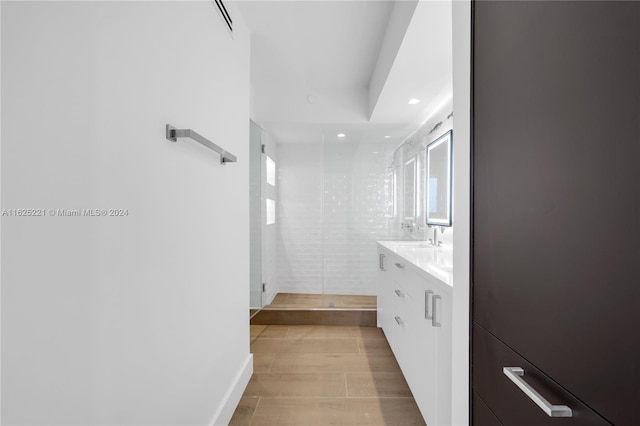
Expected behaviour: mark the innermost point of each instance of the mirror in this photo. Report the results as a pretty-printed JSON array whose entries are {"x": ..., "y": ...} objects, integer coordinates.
[
  {"x": 438, "y": 185},
  {"x": 410, "y": 189}
]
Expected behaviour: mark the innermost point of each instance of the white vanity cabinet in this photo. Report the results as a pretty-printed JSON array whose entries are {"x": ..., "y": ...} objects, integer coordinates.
[{"x": 414, "y": 311}]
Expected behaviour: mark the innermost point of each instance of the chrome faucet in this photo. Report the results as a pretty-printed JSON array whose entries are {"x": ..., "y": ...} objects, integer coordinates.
[{"x": 434, "y": 241}]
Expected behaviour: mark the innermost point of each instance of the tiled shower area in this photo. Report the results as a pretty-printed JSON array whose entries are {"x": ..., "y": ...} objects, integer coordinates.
[{"x": 334, "y": 201}]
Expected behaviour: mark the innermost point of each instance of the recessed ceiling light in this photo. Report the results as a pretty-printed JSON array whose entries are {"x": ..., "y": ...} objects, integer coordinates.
[
  {"x": 414, "y": 101},
  {"x": 387, "y": 137},
  {"x": 341, "y": 135}
]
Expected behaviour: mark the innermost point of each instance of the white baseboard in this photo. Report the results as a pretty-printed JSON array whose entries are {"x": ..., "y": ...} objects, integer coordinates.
[{"x": 232, "y": 397}]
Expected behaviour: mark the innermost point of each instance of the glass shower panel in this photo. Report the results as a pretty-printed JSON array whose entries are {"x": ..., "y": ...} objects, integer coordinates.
[
  {"x": 255, "y": 216},
  {"x": 335, "y": 201},
  {"x": 357, "y": 210}
]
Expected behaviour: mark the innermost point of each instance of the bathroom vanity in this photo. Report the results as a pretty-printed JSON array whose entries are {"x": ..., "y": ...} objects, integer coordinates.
[{"x": 414, "y": 311}]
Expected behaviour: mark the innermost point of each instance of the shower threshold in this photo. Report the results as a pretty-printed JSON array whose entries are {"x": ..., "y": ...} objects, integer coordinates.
[
  {"x": 337, "y": 301},
  {"x": 318, "y": 309}
]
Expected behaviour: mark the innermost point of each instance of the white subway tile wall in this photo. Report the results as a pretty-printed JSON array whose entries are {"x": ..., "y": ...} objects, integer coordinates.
[
  {"x": 335, "y": 201},
  {"x": 299, "y": 259}
]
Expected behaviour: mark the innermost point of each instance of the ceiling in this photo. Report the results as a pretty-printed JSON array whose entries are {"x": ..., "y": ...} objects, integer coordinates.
[
  {"x": 323, "y": 44},
  {"x": 319, "y": 68}
]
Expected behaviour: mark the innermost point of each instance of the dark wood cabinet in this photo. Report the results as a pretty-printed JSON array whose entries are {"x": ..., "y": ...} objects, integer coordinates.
[
  {"x": 481, "y": 413},
  {"x": 556, "y": 204},
  {"x": 507, "y": 402}
]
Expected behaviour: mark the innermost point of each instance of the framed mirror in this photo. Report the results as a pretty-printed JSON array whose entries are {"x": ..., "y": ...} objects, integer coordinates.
[
  {"x": 438, "y": 181},
  {"x": 410, "y": 189}
]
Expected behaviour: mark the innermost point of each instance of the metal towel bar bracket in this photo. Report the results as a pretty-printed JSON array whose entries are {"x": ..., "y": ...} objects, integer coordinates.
[{"x": 173, "y": 134}]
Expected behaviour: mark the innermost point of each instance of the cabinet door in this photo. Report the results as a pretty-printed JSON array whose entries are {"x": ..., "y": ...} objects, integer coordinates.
[
  {"x": 425, "y": 372},
  {"x": 556, "y": 181},
  {"x": 423, "y": 365},
  {"x": 443, "y": 372},
  {"x": 385, "y": 292}
]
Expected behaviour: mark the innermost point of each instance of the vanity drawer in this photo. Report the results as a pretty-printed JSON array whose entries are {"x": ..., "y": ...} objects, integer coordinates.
[
  {"x": 482, "y": 416},
  {"x": 510, "y": 404},
  {"x": 397, "y": 267},
  {"x": 413, "y": 283}
]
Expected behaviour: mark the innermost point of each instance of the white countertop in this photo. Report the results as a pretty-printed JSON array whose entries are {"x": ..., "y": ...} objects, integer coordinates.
[{"x": 424, "y": 258}]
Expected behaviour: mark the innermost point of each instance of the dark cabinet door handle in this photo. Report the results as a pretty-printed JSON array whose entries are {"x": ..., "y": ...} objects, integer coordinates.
[{"x": 515, "y": 374}]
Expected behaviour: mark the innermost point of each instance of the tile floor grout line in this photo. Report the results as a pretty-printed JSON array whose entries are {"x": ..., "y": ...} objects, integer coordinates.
[
  {"x": 263, "y": 330},
  {"x": 272, "y": 361},
  {"x": 254, "y": 411},
  {"x": 346, "y": 385}
]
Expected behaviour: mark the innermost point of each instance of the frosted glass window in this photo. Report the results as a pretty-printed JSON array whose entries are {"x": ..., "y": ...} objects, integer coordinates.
[
  {"x": 271, "y": 171},
  {"x": 271, "y": 211}
]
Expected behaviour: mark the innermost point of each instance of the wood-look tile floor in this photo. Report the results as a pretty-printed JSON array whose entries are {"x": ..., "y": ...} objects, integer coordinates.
[
  {"x": 324, "y": 375},
  {"x": 295, "y": 300}
]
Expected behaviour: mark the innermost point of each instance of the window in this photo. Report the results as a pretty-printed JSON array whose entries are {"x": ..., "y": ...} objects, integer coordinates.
[
  {"x": 271, "y": 171},
  {"x": 271, "y": 211}
]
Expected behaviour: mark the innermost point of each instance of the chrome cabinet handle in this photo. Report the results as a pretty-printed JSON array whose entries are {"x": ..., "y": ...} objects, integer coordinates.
[
  {"x": 399, "y": 321},
  {"x": 399, "y": 265},
  {"x": 515, "y": 375},
  {"x": 399, "y": 293},
  {"x": 426, "y": 305},
  {"x": 434, "y": 300},
  {"x": 381, "y": 262}
]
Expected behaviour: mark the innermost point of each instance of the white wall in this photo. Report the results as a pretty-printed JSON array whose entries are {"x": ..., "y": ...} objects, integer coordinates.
[
  {"x": 334, "y": 204},
  {"x": 139, "y": 319},
  {"x": 461, "y": 210}
]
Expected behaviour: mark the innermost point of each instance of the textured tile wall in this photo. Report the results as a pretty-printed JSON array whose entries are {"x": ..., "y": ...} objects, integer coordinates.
[
  {"x": 357, "y": 211},
  {"x": 335, "y": 202},
  {"x": 299, "y": 212}
]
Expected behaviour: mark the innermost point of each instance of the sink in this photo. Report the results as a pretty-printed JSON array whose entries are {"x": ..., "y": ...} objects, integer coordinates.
[
  {"x": 436, "y": 262},
  {"x": 413, "y": 244}
]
